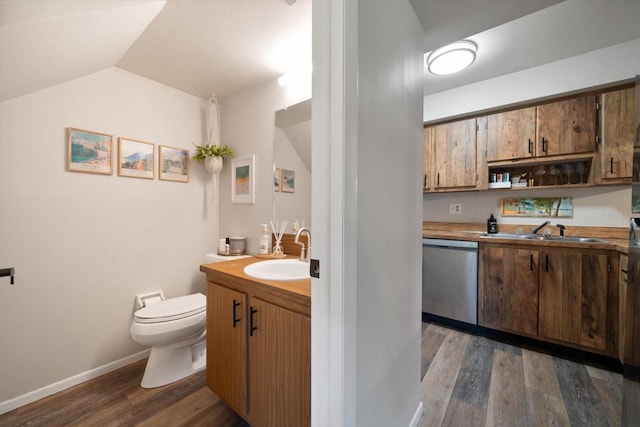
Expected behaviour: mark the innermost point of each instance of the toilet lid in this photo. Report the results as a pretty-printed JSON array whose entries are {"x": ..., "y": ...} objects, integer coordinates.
[{"x": 172, "y": 309}]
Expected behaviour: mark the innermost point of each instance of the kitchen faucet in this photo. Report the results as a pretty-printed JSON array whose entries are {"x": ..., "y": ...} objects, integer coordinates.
[
  {"x": 304, "y": 257},
  {"x": 561, "y": 227},
  {"x": 540, "y": 227}
]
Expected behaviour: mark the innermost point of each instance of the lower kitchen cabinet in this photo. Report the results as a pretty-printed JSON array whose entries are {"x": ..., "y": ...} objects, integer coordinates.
[
  {"x": 509, "y": 289},
  {"x": 259, "y": 357},
  {"x": 563, "y": 295}
]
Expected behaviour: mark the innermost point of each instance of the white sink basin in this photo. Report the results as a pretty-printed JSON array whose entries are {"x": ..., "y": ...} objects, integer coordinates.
[{"x": 278, "y": 269}]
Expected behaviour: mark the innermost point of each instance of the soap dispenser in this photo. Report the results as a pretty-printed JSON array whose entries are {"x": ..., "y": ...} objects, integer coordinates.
[
  {"x": 264, "y": 241},
  {"x": 492, "y": 225}
]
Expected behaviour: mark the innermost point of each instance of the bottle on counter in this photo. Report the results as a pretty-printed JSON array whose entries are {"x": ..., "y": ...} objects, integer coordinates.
[
  {"x": 263, "y": 248},
  {"x": 492, "y": 225}
]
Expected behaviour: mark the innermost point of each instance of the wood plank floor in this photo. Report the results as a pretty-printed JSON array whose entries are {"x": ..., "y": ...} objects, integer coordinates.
[
  {"x": 474, "y": 381},
  {"x": 467, "y": 381}
]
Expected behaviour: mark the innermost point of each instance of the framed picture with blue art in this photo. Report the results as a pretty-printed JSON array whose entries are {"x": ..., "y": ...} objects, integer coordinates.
[
  {"x": 288, "y": 181},
  {"x": 136, "y": 159},
  {"x": 173, "y": 164},
  {"x": 243, "y": 179},
  {"x": 90, "y": 152}
]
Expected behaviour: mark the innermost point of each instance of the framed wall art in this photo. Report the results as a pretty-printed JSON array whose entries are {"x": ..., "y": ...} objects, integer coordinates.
[
  {"x": 276, "y": 180},
  {"x": 243, "y": 180},
  {"x": 136, "y": 159},
  {"x": 89, "y": 151},
  {"x": 288, "y": 181},
  {"x": 173, "y": 164},
  {"x": 559, "y": 207}
]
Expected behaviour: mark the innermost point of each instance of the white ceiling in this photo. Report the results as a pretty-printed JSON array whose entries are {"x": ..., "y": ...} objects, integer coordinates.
[{"x": 222, "y": 47}]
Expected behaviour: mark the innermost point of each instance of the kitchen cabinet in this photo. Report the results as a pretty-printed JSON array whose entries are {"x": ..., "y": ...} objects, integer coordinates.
[
  {"x": 622, "y": 278},
  {"x": 563, "y": 295},
  {"x": 454, "y": 155},
  {"x": 427, "y": 156},
  {"x": 509, "y": 288},
  {"x": 511, "y": 134},
  {"x": 573, "y": 296},
  {"x": 259, "y": 349},
  {"x": 566, "y": 127},
  {"x": 618, "y": 134}
]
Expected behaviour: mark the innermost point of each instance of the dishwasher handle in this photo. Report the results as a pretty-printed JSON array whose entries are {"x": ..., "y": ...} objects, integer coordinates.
[{"x": 444, "y": 243}]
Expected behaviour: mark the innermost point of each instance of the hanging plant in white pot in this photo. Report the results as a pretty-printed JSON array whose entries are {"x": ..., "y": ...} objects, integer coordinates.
[
  {"x": 212, "y": 153},
  {"x": 212, "y": 156}
]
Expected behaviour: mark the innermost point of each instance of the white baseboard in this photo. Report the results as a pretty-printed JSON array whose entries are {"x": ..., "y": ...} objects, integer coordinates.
[
  {"x": 32, "y": 396},
  {"x": 415, "y": 421}
]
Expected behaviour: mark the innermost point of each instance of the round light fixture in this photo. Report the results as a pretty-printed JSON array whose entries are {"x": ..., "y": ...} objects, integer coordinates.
[{"x": 452, "y": 58}]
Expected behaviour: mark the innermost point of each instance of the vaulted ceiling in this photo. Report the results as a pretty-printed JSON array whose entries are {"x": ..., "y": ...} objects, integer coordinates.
[{"x": 222, "y": 47}]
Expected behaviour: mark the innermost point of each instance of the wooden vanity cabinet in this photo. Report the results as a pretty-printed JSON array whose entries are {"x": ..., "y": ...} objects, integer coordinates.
[
  {"x": 567, "y": 127},
  {"x": 259, "y": 351},
  {"x": 563, "y": 295},
  {"x": 618, "y": 134}
]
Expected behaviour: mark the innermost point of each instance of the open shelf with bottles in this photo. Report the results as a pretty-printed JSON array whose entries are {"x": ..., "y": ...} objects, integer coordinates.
[{"x": 573, "y": 171}]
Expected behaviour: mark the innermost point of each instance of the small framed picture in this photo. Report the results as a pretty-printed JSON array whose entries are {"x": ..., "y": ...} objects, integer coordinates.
[
  {"x": 89, "y": 151},
  {"x": 173, "y": 164},
  {"x": 136, "y": 159},
  {"x": 276, "y": 180},
  {"x": 243, "y": 180},
  {"x": 288, "y": 181}
]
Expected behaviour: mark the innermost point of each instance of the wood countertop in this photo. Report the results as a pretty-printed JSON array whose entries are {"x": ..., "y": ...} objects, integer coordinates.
[
  {"x": 293, "y": 294},
  {"x": 615, "y": 237}
]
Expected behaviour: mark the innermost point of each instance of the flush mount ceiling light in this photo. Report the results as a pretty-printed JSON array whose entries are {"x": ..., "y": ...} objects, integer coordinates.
[{"x": 452, "y": 58}]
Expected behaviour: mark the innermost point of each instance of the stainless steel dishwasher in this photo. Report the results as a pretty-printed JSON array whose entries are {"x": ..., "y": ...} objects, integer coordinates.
[{"x": 450, "y": 279}]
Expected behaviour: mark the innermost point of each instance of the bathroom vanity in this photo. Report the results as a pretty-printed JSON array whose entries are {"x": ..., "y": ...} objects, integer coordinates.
[{"x": 259, "y": 344}]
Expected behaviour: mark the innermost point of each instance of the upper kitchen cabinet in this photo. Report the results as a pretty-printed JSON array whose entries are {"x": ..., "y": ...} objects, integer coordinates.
[
  {"x": 427, "y": 157},
  {"x": 566, "y": 127},
  {"x": 511, "y": 135},
  {"x": 454, "y": 153},
  {"x": 618, "y": 134}
]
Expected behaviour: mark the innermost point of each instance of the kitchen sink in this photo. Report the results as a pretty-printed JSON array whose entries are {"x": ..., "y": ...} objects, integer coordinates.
[{"x": 568, "y": 239}]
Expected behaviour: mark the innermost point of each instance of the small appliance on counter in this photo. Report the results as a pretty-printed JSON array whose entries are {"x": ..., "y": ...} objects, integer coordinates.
[{"x": 232, "y": 246}]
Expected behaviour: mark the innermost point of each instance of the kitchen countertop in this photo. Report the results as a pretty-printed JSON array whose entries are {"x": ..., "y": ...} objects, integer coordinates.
[{"x": 615, "y": 237}]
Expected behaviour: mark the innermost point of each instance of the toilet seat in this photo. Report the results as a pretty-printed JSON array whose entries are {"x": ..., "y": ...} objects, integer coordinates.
[{"x": 172, "y": 309}]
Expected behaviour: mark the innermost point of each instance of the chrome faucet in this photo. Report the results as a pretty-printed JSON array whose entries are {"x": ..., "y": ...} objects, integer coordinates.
[
  {"x": 540, "y": 227},
  {"x": 305, "y": 256}
]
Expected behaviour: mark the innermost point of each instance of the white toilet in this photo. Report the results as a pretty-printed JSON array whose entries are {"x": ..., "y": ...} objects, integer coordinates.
[{"x": 175, "y": 329}]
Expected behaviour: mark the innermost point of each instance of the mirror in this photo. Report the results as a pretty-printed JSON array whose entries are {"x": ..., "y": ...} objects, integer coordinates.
[{"x": 292, "y": 165}]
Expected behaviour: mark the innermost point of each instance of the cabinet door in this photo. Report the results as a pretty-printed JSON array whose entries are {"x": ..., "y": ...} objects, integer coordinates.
[
  {"x": 454, "y": 153},
  {"x": 618, "y": 133},
  {"x": 566, "y": 127},
  {"x": 573, "y": 297},
  {"x": 427, "y": 149},
  {"x": 511, "y": 135},
  {"x": 279, "y": 367},
  {"x": 509, "y": 289},
  {"x": 227, "y": 345}
]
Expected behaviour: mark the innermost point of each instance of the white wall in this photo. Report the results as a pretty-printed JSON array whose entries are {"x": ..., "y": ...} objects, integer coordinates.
[
  {"x": 83, "y": 245},
  {"x": 248, "y": 126},
  {"x": 597, "y": 206},
  {"x": 366, "y": 198}
]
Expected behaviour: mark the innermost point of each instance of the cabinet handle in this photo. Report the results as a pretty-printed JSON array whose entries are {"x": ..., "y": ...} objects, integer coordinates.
[
  {"x": 546, "y": 262},
  {"x": 544, "y": 145},
  {"x": 438, "y": 180},
  {"x": 531, "y": 262},
  {"x": 425, "y": 180},
  {"x": 611, "y": 165},
  {"x": 236, "y": 304},
  {"x": 252, "y": 328},
  {"x": 530, "y": 146}
]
